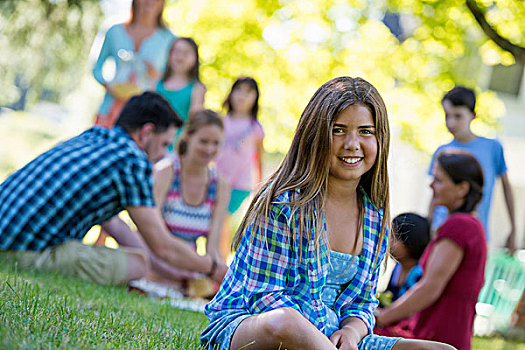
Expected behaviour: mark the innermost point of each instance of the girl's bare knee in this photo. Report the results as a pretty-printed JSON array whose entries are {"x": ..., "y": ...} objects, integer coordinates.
[{"x": 282, "y": 323}]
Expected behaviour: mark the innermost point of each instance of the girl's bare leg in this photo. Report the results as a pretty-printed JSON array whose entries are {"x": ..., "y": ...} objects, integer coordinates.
[{"x": 283, "y": 328}]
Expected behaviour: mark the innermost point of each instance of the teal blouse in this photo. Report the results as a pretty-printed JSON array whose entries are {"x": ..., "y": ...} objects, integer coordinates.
[
  {"x": 120, "y": 47},
  {"x": 180, "y": 100}
]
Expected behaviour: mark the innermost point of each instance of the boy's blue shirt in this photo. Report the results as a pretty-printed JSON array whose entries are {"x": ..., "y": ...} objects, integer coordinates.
[{"x": 489, "y": 153}]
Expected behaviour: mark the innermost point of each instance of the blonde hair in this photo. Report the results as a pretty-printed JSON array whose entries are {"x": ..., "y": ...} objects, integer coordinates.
[{"x": 306, "y": 165}]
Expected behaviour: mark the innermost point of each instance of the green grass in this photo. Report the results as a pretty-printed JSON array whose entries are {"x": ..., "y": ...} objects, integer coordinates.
[{"x": 48, "y": 311}]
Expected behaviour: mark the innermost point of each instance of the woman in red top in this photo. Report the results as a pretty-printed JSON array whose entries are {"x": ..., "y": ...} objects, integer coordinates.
[{"x": 443, "y": 301}]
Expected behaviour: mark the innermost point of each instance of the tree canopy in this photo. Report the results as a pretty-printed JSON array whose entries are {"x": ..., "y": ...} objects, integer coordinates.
[
  {"x": 291, "y": 47},
  {"x": 45, "y": 45}
]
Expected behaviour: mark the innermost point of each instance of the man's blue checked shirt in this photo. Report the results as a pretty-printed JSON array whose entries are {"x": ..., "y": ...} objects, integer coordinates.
[{"x": 79, "y": 183}]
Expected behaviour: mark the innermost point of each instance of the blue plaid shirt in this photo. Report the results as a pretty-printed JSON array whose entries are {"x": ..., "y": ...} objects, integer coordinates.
[
  {"x": 79, "y": 183},
  {"x": 268, "y": 272}
]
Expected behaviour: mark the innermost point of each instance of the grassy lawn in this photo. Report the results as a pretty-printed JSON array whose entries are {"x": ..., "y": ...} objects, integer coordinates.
[{"x": 48, "y": 311}]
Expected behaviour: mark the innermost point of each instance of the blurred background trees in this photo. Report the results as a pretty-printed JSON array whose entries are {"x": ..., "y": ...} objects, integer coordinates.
[
  {"x": 411, "y": 50},
  {"x": 44, "y": 48}
]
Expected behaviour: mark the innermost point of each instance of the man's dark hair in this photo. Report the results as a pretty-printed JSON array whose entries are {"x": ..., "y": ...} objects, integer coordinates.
[
  {"x": 414, "y": 231},
  {"x": 461, "y": 96},
  {"x": 149, "y": 107}
]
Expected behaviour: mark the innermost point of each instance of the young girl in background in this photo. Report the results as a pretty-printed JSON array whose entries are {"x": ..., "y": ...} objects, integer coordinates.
[
  {"x": 410, "y": 236},
  {"x": 240, "y": 160},
  {"x": 181, "y": 84},
  {"x": 310, "y": 247}
]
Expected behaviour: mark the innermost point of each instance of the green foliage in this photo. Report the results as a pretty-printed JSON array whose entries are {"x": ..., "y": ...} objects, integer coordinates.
[
  {"x": 292, "y": 47},
  {"x": 23, "y": 136},
  {"x": 45, "y": 45}
]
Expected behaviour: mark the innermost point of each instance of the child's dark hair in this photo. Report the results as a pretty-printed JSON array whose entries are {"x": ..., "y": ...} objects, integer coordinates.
[
  {"x": 414, "y": 231},
  {"x": 149, "y": 107},
  {"x": 194, "y": 71},
  {"x": 252, "y": 84},
  {"x": 461, "y": 96},
  {"x": 196, "y": 121},
  {"x": 461, "y": 166}
]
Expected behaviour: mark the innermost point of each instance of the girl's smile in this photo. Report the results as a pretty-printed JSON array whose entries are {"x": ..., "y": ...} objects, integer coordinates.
[{"x": 354, "y": 144}]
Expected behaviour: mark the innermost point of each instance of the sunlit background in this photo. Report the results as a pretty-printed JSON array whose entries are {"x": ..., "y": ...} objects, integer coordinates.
[{"x": 412, "y": 51}]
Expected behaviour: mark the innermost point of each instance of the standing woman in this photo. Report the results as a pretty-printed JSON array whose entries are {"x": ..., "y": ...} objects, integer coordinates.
[
  {"x": 311, "y": 245},
  {"x": 444, "y": 299},
  {"x": 139, "y": 49}
]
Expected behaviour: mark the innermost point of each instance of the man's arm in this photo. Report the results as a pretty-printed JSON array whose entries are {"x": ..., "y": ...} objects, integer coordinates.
[
  {"x": 510, "y": 244},
  {"x": 171, "y": 249}
]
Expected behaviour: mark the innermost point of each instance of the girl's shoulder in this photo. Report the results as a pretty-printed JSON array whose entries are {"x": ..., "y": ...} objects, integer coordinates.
[
  {"x": 283, "y": 203},
  {"x": 373, "y": 220},
  {"x": 258, "y": 127},
  {"x": 159, "y": 86},
  {"x": 163, "y": 170},
  {"x": 198, "y": 85},
  {"x": 370, "y": 208},
  {"x": 117, "y": 27}
]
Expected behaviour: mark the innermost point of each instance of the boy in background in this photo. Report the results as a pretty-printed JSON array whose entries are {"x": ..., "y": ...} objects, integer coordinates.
[{"x": 459, "y": 106}]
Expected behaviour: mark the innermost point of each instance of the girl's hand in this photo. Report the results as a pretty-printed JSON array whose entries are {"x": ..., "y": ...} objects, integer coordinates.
[{"x": 346, "y": 338}]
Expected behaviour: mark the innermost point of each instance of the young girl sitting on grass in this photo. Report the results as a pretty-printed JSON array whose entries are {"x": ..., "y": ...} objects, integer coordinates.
[{"x": 310, "y": 247}]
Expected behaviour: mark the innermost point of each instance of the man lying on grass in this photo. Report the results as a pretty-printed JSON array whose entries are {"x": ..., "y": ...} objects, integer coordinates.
[{"x": 48, "y": 206}]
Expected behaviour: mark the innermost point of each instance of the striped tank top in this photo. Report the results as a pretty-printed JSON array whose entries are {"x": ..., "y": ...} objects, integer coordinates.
[{"x": 186, "y": 221}]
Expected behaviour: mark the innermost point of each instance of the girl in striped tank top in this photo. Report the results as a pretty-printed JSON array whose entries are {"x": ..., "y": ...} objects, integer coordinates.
[{"x": 192, "y": 197}]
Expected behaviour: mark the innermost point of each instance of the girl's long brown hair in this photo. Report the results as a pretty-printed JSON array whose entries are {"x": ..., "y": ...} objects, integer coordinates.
[{"x": 306, "y": 165}]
